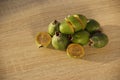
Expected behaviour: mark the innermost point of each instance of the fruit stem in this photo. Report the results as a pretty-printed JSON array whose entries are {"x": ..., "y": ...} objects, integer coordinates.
[
  {"x": 40, "y": 46},
  {"x": 69, "y": 37},
  {"x": 91, "y": 43},
  {"x": 57, "y": 33},
  {"x": 55, "y": 22}
]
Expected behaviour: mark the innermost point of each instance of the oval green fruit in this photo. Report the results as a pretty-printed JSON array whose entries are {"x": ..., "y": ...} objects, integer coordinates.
[
  {"x": 53, "y": 27},
  {"x": 92, "y": 26},
  {"x": 66, "y": 28},
  {"x": 99, "y": 40},
  {"x": 81, "y": 37},
  {"x": 74, "y": 22},
  {"x": 82, "y": 19},
  {"x": 59, "y": 41}
]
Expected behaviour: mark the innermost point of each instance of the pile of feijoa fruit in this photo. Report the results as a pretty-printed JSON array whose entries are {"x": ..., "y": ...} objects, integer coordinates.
[{"x": 72, "y": 34}]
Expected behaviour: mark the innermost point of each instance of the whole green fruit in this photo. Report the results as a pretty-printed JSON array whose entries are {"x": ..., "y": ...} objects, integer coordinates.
[
  {"x": 81, "y": 37},
  {"x": 92, "y": 26},
  {"x": 98, "y": 40},
  {"x": 66, "y": 28},
  {"x": 59, "y": 41},
  {"x": 74, "y": 22},
  {"x": 82, "y": 19},
  {"x": 53, "y": 27}
]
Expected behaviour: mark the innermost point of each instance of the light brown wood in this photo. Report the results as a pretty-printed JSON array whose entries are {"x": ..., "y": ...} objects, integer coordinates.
[{"x": 20, "y": 59}]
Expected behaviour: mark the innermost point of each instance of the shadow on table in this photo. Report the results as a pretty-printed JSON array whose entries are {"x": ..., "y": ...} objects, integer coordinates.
[{"x": 111, "y": 51}]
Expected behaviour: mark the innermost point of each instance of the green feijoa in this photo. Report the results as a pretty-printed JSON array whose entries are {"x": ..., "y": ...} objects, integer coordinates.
[
  {"x": 75, "y": 23},
  {"x": 60, "y": 41},
  {"x": 66, "y": 28},
  {"x": 53, "y": 27},
  {"x": 98, "y": 40},
  {"x": 81, "y": 37},
  {"x": 82, "y": 19},
  {"x": 92, "y": 26}
]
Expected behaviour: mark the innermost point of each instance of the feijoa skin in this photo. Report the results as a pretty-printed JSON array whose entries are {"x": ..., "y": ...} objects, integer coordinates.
[
  {"x": 60, "y": 41},
  {"x": 81, "y": 37},
  {"x": 99, "y": 40},
  {"x": 66, "y": 28},
  {"x": 75, "y": 23},
  {"x": 53, "y": 27},
  {"x": 82, "y": 19},
  {"x": 92, "y": 26}
]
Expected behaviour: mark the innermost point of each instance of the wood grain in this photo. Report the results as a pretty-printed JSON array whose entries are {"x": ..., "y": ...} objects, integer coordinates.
[{"x": 20, "y": 59}]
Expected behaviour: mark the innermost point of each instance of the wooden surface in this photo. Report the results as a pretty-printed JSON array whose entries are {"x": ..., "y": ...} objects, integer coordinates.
[{"x": 20, "y": 59}]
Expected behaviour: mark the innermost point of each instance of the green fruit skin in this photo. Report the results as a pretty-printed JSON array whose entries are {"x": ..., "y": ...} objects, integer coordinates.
[
  {"x": 81, "y": 37},
  {"x": 75, "y": 23},
  {"x": 53, "y": 27},
  {"x": 99, "y": 40},
  {"x": 60, "y": 42},
  {"x": 83, "y": 19},
  {"x": 92, "y": 26},
  {"x": 64, "y": 28}
]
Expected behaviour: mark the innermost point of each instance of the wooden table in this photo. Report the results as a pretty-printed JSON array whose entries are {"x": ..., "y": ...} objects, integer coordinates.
[{"x": 20, "y": 59}]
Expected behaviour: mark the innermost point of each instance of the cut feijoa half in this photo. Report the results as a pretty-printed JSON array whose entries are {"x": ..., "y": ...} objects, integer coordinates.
[
  {"x": 75, "y": 50},
  {"x": 43, "y": 39}
]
